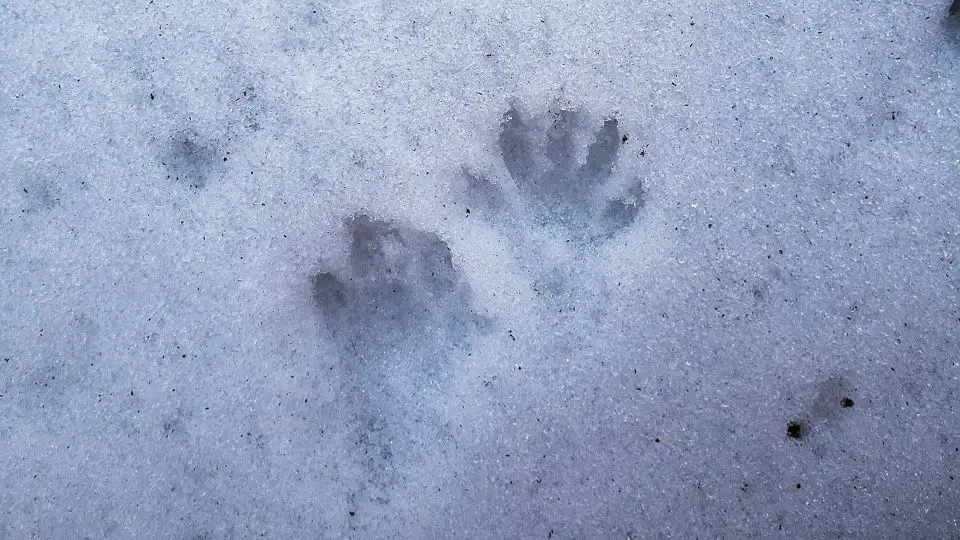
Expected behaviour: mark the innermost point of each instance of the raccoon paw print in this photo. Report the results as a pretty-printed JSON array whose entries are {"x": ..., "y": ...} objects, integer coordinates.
[{"x": 563, "y": 174}]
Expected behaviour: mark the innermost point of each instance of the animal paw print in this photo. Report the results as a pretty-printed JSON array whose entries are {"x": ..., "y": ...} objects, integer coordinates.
[
  {"x": 563, "y": 174},
  {"x": 400, "y": 284},
  {"x": 398, "y": 310}
]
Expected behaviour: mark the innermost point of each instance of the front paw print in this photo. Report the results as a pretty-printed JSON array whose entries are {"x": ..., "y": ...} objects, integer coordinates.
[
  {"x": 563, "y": 174},
  {"x": 401, "y": 290}
]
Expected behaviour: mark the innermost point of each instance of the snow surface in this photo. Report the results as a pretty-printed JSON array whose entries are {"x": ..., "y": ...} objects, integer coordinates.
[{"x": 479, "y": 270}]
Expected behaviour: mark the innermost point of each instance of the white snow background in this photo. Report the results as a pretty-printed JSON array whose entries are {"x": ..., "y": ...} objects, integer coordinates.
[{"x": 479, "y": 270}]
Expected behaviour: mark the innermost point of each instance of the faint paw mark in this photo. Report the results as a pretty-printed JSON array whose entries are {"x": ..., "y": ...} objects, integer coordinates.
[
  {"x": 189, "y": 160},
  {"x": 563, "y": 173}
]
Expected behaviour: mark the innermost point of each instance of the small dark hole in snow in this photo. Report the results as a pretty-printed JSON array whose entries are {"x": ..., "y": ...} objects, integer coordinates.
[{"x": 797, "y": 430}]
